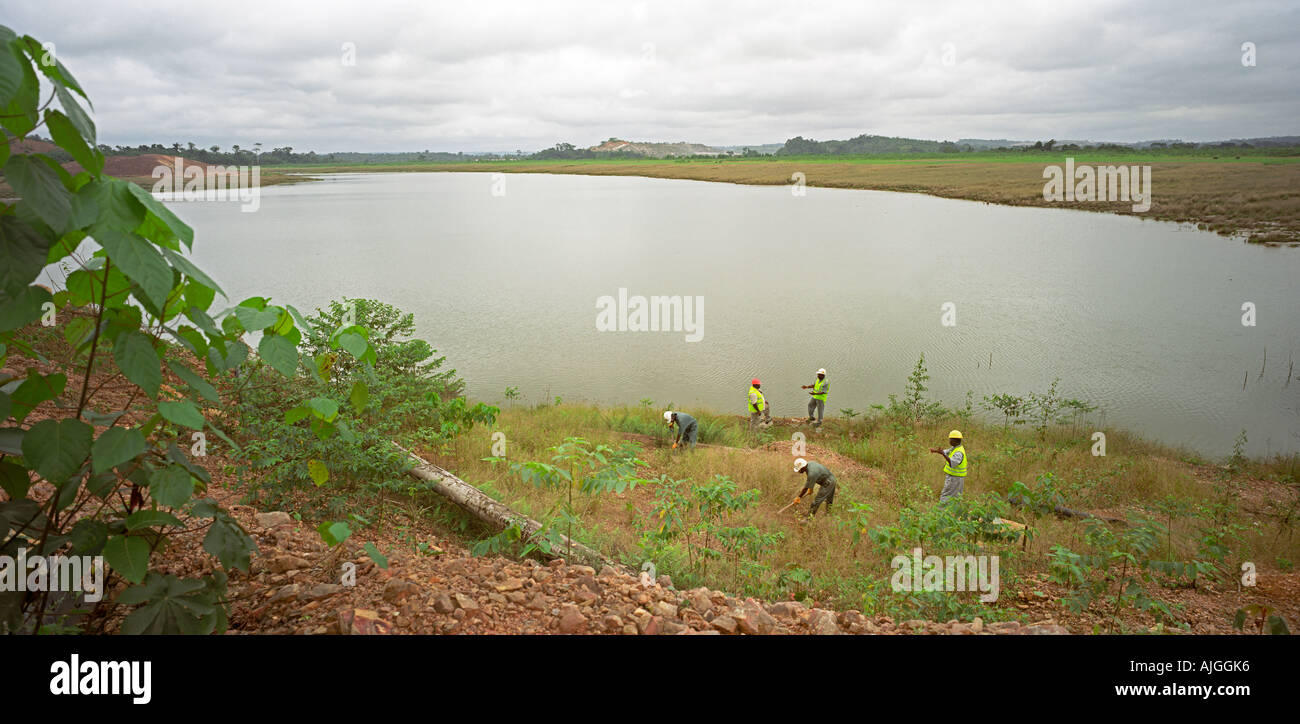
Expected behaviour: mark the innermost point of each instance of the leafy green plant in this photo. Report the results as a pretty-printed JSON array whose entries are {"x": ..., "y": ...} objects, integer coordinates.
[
  {"x": 1012, "y": 407},
  {"x": 1263, "y": 618},
  {"x": 577, "y": 463},
  {"x": 1117, "y": 571},
  {"x": 122, "y": 472}
]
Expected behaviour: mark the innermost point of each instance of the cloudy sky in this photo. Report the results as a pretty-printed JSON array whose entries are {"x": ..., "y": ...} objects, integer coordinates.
[{"x": 500, "y": 76}]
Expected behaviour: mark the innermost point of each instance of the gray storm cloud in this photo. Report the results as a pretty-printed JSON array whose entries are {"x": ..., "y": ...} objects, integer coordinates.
[{"x": 495, "y": 76}]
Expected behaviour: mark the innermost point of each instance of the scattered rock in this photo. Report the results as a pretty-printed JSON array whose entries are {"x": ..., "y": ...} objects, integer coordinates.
[
  {"x": 753, "y": 620},
  {"x": 664, "y": 609},
  {"x": 362, "y": 622},
  {"x": 571, "y": 619},
  {"x": 285, "y": 563},
  {"x": 398, "y": 590},
  {"x": 465, "y": 603},
  {"x": 274, "y": 519},
  {"x": 823, "y": 622},
  {"x": 319, "y": 591},
  {"x": 700, "y": 599},
  {"x": 785, "y": 609},
  {"x": 285, "y": 592},
  {"x": 725, "y": 624}
]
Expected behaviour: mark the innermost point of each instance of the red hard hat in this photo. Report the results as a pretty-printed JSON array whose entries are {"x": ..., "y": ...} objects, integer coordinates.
[{"x": 755, "y": 381}]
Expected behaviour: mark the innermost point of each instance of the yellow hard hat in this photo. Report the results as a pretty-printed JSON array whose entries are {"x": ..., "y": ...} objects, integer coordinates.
[{"x": 955, "y": 434}]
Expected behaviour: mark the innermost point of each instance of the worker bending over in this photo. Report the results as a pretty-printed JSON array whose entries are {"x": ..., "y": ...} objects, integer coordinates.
[
  {"x": 758, "y": 405},
  {"x": 954, "y": 473},
  {"x": 818, "y": 474},
  {"x": 818, "y": 390},
  {"x": 688, "y": 430}
]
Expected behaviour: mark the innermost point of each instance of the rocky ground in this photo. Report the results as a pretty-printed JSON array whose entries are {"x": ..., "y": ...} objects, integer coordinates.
[{"x": 297, "y": 586}]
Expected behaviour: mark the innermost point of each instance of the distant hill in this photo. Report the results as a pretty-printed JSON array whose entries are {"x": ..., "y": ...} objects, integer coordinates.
[{"x": 653, "y": 150}]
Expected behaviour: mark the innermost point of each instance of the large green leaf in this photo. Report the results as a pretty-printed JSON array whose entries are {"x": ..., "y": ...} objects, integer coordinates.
[
  {"x": 52, "y": 67},
  {"x": 333, "y": 533},
  {"x": 280, "y": 353},
  {"x": 171, "y": 486},
  {"x": 171, "y": 606},
  {"x": 151, "y": 519},
  {"x": 115, "y": 446},
  {"x": 325, "y": 408},
  {"x": 359, "y": 396},
  {"x": 164, "y": 214},
  {"x": 14, "y": 480},
  {"x": 41, "y": 190},
  {"x": 355, "y": 344},
  {"x": 22, "y": 255},
  {"x": 138, "y": 360},
  {"x": 228, "y": 542},
  {"x": 139, "y": 260},
  {"x": 77, "y": 115},
  {"x": 319, "y": 472},
  {"x": 57, "y": 448},
  {"x": 128, "y": 555},
  {"x": 19, "y": 115},
  {"x": 255, "y": 320},
  {"x": 118, "y": 205},
  {"x": 88, "y": 537},
  {"x": 22, "y": 309},
  {"x": 37, "y": 388},
  {"x": 187, "y": 267},
  {"x": 70, "y": 140},
  {"x": 11, "y": 72},
  {"x": 197, "y": 383},
  {"x": 182, "y": 412}
]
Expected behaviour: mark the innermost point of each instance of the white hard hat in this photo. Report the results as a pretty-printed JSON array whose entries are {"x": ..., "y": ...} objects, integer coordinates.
[
  {"x": 821, "y": 371},
  {"x": 800, "y": 464},
  {"x": 668, "y": 415}
]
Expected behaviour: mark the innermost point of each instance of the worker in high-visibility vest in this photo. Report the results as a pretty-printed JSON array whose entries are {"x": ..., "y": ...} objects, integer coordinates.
[
  {"x": 954, "y": 473},
  {"x": 818, "y": 390},
  {"x": 758, "y": 408}
]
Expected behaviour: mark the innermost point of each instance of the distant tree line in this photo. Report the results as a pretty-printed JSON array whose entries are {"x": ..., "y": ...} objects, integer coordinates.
[
  {"x": 238, "y": 155},
  {"x": 867, "y": 144},
  {"x": 871, "y": 145}
]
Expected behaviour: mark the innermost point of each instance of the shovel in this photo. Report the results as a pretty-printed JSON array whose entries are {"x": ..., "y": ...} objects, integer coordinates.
[{"x": 790, "y": 505}]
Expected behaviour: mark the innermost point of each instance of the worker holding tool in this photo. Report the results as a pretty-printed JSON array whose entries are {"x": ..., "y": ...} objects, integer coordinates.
[
  {"x": 818, "y": 390},
  {"x": 818, "y": 474},
  {"x": 688, "y": 430},
  {"x": 758, "y": 405},
  {"x": 954, "y": 473}
]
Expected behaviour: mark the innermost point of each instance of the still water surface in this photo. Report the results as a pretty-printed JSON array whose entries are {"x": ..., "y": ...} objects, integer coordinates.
[{"x": 1142, "y": 318}]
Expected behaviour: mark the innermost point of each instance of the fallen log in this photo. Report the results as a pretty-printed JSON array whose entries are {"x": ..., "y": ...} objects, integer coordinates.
[
  {"x": 494, "y": 513},
  {"x": 1065, "y": 512}
]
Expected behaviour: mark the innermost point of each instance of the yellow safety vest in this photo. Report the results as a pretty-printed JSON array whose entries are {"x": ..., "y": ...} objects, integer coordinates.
[
  {"x": 960, "y": 470},
  {"x": 817, "y": 393},
  {"x": 761, "y": 404}
]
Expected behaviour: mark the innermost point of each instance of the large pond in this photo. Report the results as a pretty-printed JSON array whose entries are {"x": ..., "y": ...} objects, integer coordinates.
[{"x": 505, "y": 275}]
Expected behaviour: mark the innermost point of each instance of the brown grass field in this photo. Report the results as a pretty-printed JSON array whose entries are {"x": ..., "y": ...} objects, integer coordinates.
[{"x": 1256, "y": 200}]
